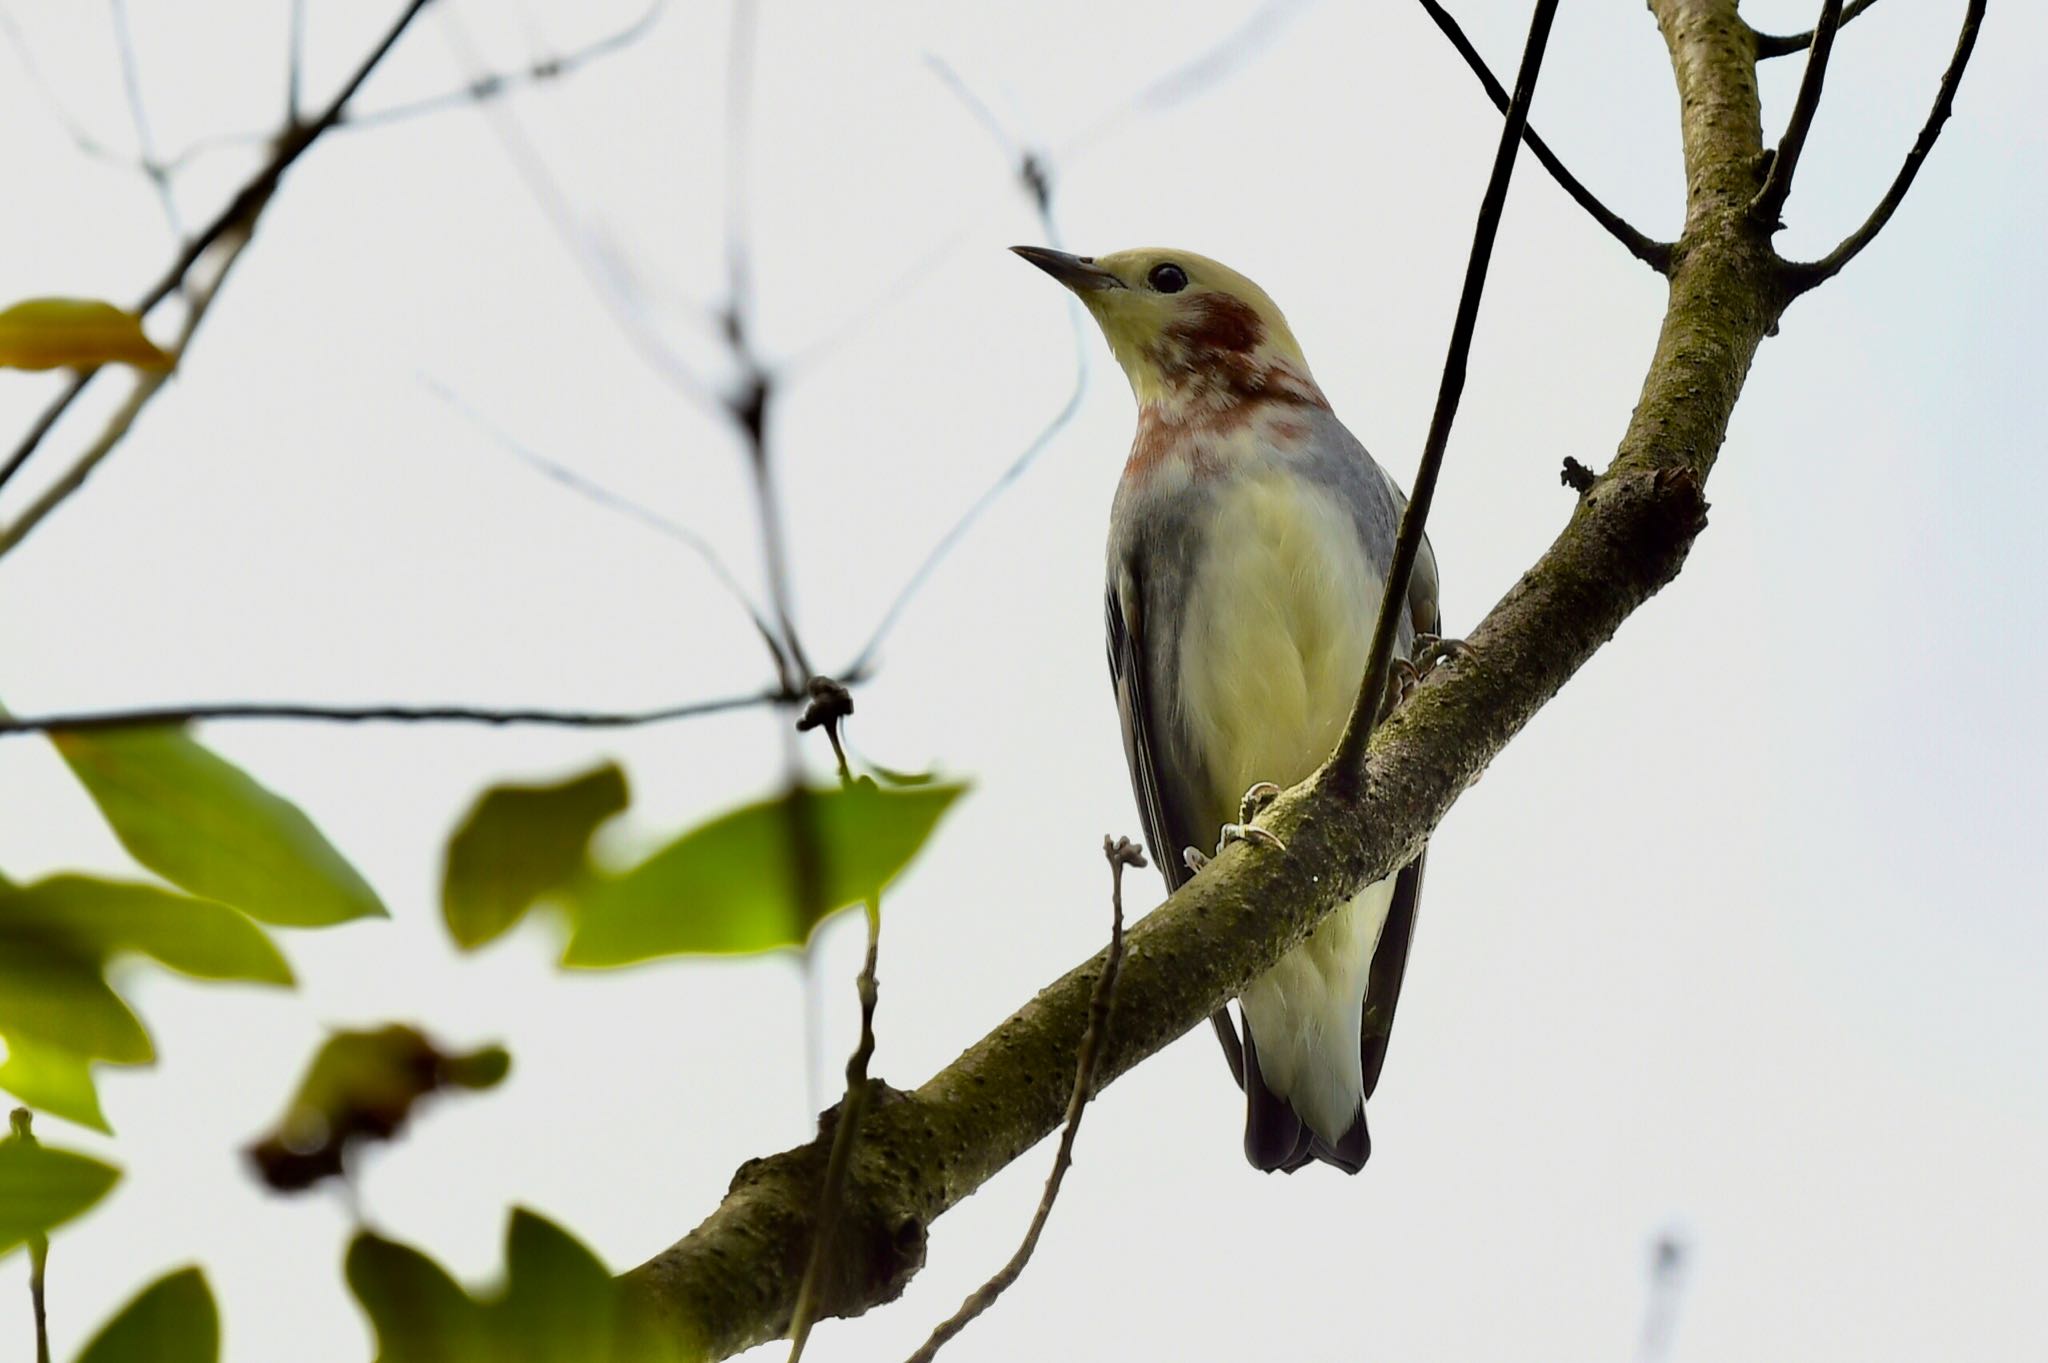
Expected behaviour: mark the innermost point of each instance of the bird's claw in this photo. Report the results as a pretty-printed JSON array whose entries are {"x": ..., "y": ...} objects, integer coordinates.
[
  {"x": 1194, "y": 858},
  {"x": 1257, "y": 801},
  {"x": 1248, "y": 832},
  {"x": 1433, "y": 650}
]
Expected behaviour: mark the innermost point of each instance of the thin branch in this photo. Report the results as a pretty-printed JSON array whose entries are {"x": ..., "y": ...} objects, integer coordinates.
[
  {"x": 1348, "y": 762},
  {"x": 845, "y": 1134},
  {"x": 131, "y": 83},
  {"x": 600, "y": 495},
  {"x": 148, "y": 383},
  {"x": 73, "y": 127},
  {"x": 1656, "y": 254},
  {"x": 1667, "y": 1292},
  {"x": 1769, "y": 203},
  {"x": 295, "y": 63},
  {"x": 240, "y": 211},
  {"x": 1207, "y": 69},
  {"x": 22, "y": 1123},
  {"x": 739, "y": 87},
  {"x": 1770, "y": 45},
  {"x": 1805, "y": 276},
  {"x": 561, "y": 215},
  {"x": 1121, "y": 852},
  {"x": 100, "y": 721}
]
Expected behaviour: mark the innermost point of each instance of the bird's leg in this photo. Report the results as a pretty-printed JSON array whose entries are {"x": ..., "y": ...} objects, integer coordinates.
[
  {"x": 1244, "y": 830},
  {"x": 1431, "y": 651}
]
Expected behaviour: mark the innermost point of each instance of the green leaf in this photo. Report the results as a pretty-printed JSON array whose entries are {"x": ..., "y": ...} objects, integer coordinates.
[
  {"x": 54, "y": 997},
  {"x": 420, "y": 1314},
  {"x": 103, "y": 917},
  {"x": 205, "y": 825},
  {"x": 49, "y": 333},
  {"x": 738, "y": 884},
  {"x": 519, "y": 844},
  {"x": 55, "y": 1080},
  {"x": 363, "y": 1086},
  {"x": 41, "y": 1188},
  {"x": 57, "y": 1011},
  {"x": 558, "y": 1303},
  {"x": 173, "y": 1320}
]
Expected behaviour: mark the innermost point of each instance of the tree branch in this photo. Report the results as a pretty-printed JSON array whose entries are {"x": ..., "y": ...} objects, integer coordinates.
[
  {"x": 90, "y": 721},
  {"x": 240, "y": 213},
  {"x": 731, "y": 1282},
  {"x": 1653, "y": 253},
  {"x": 1769, "y": 203},
  {"x": 1121, "y": 852},
  {"x": 1805, "y": 276},
  {"x": 1347, "y": 764},
  {"x": 1770, "y": 45}
]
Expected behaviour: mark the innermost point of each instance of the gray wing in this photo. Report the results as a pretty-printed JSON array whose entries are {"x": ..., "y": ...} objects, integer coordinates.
[{"x": 1168, "y": 825}]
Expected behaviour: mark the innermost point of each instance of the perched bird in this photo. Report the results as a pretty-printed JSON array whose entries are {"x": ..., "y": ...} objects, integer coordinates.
[{"x": 1249, "y": 547}]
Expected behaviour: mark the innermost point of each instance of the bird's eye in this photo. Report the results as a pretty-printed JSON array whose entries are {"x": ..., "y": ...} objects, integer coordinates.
[{"x": 1167, "y": 278}]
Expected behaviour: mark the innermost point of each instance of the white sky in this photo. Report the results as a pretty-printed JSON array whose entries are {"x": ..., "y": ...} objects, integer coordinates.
[{"x": 1741, "y": 939}]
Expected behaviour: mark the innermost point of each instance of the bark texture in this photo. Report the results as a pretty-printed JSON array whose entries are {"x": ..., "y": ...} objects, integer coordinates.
[{"x": 732, "y": 1281}]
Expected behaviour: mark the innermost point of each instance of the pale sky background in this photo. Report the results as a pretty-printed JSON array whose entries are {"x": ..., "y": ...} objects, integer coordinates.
[{"x": 1742, "y": 940}]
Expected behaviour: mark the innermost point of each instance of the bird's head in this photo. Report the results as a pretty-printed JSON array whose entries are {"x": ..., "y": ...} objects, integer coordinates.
[{"x": 1190, "y": 333}]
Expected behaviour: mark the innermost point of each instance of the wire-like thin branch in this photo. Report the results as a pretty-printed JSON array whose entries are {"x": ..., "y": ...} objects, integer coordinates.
[
  {"x": 21, "y": 1123},
  {"x": 1121, "y": 852},
  {"x": 92, "y": 721},
  {"x": 81, "y": 137},
  {"x": 148, "y": 383},
  {"x": 239, "y": 212},
  {"x": 600, "y": 495},
  {"x": 1769, "y": 203},
  {"x": 131, "y": 83},
  {"x": 1656, "y": 254},
  {"x": 1667, "y": 1291},
  {"x": 1805, "y": 275},
  {"x": 295, "y": 63},
  {"x": 1348, "y": 762},
  {"x": 1770, "y": 45}
]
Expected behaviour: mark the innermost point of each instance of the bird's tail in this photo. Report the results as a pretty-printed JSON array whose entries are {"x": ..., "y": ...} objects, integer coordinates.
[{"x": 1275, "y": 1136}]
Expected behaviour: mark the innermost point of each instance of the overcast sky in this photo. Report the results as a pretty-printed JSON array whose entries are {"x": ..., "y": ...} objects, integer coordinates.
[{"x": 1741, "y": 941}]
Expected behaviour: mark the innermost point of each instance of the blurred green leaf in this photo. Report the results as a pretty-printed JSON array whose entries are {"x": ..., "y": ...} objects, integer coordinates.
[
  {"x": 101, "y": 918},
  {"x": 558, "y": 1303},
  {"x": 363, "y": 1086},
  {"x": 205, "y": 825},
  {"x": 57, "y": 1011},
  {"x": 49, "y": 333},
  {"x": 55, "y": 1080},
  {"x": 521, "y": 843},
  {"x": 41, "y": 1188},
  {"x": 173, "y": 1320},
  {"x": 739, "y": 884}
]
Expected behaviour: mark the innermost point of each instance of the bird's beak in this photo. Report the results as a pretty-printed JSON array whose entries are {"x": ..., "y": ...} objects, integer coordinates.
[{"x": 1079, "y": 273}]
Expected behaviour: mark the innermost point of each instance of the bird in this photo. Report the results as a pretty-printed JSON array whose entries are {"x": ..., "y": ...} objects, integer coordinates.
[{"x": 1250, "y": 541}]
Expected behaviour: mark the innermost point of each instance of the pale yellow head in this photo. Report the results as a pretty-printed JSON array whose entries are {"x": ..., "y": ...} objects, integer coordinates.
[{"x": 1187, "y": 330}]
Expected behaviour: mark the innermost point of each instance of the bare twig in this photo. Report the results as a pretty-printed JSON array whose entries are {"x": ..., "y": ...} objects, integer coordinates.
[
  {"x": 1770, "y": 45},
  {"x": 561, "y": 215},
  {"x": 148, "y": 383},
  {"x": 600, "y": 495},
  {"x": 1653, "y": 253},
  {"x": 240, "y": 211},
  {"x": 21, "y": 1122},
  {"x": 1037, "y": 182},
  {"x": 1207, "y": 69},
  {"x": 88, "y": 721},
  {"x": 479, "y": 89},
  {"x": 1667, "y": 1290},
  {"x": 1769, "y": 203},
  {"x": 1348, "y": 762},
  {"x": 1805, "y": 276},
  {"x": 1121, "y": 852},
  {"x": 295, "y": 63},
  {"x": 131, "y": 83},
  {"x": 74, "y": 129}
]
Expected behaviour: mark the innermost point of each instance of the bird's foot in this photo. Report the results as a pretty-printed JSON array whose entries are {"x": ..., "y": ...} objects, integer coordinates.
[
  {"x": 1256, "y": 801},
  {"x": 1432, "y": 651}
]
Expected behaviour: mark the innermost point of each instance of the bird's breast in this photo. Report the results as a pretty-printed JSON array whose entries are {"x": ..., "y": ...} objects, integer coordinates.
[{"x": 1276, "y": 626}]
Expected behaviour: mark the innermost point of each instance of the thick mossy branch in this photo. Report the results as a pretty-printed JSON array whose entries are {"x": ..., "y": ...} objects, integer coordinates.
[{"x": 732, "y": 1282}]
